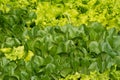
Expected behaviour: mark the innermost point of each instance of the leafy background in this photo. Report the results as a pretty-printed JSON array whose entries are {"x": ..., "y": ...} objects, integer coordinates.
[
  {"x": 52, "y": 40},
  {"x": 61, "y": 12}
]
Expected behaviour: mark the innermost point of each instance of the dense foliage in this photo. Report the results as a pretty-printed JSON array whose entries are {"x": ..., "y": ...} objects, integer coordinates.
[
  {"x": 108, "y": 75},
  {"x": 55, "y": 52},
  {"x": 61, "y": 12},
  {"x": 65, "y": 39},
  {"x": 77, "y": 12}
]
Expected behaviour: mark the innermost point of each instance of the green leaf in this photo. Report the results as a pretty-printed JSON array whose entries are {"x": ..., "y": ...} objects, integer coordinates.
[
  {"x": 24, "y": 75},
  {"x": 38, "y": 61},
  {"x": 112, "y": 53},
  {"x": 94, "y": 47},
  {"x": 10, "y": 42},
  {"x": 45, "y": 77},
  {"x": 50, "y": 68},
  {"x": 34, "y": 78},
  {"x": 93, "y": 67},
  {"x": 116, "y": 40},
  {"x": 65, "y": 72},
  {"x": 4, "y": 62},
  {"x": 32, "y": 15},
  {"x": 10, "y": 68},
  {"x": 61, "y": 48},
  {"x": 49, "y": 59},
  {"x": 117, "y": 60},
  {"x": 106, "y": 47},
  {"x": 97, "y": 27},
  {"x": 10, "y": 78}
]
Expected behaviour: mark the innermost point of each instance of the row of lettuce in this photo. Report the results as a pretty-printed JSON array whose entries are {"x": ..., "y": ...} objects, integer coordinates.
[
  {"x": 59, "y": 40},
  {"x": 53, "y": 12},
  {"x": 68, "y": 52}
]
